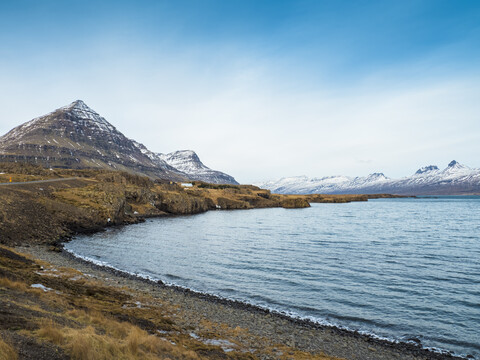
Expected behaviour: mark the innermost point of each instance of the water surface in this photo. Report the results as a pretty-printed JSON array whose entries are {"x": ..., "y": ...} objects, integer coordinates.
[{"x": 398, "y": 268}]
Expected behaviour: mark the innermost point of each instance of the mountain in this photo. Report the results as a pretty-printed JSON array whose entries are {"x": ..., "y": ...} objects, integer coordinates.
[
  {"x": 188, "y": 162},
  {"x": 75, "y": 136},
  {"x": 455, "y": 179}
]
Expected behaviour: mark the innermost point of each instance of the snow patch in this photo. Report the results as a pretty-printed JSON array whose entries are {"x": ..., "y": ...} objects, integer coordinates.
[{"x": 40, "y": 286}]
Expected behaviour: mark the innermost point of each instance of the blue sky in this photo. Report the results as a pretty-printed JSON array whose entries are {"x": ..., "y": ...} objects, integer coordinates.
[{"x": 260, "y": 89}]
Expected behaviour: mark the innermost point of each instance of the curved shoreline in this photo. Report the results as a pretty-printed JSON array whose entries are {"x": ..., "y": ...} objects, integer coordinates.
[
  {"x": 58, "y": 210},
  {"x": 413, "y": 350}
]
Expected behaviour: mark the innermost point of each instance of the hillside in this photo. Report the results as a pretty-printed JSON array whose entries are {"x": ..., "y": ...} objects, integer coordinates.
[
  {"x": 47, "y": 206},
  {"x": 80, "y": 201}
]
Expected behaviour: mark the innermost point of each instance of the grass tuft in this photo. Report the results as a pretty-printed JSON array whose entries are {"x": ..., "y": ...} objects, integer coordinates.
[
  {"x": 16, "y": 285},
  {"x": 7, "y": 352},
  {"x": 85, "y": 344},
  {"x": 107, "y": 339},
  {"x": 52, "y": 333}
]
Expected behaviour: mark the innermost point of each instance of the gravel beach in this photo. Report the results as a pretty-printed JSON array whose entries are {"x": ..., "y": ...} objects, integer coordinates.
[{"x": 194, "y": 309}]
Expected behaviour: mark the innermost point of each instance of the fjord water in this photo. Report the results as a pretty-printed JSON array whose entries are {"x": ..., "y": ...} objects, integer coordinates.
[{"x": 403, "y": 269}]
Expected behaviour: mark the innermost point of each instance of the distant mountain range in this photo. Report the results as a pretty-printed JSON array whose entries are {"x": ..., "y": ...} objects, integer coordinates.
[
  {"x": 75, "y": 136},
  {"x": 455, "y": 179}
]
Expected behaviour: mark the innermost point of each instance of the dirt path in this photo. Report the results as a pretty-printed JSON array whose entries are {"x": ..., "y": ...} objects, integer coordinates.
[{"x": 38, "y": 181}]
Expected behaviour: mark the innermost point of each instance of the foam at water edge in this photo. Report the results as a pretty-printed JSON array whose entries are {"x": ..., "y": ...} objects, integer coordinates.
[{"x": 289, "y": 314}]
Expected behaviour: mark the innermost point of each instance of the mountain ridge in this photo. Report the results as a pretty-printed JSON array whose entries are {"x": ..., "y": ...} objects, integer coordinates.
[
  {"x": 76, "y": 136},
  {"x": 188, "y": 162},
  {"x": 455, "y": 179}
]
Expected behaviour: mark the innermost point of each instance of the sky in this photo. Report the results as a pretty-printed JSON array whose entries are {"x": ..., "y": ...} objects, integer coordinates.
[{"x": 259, "y": 89}]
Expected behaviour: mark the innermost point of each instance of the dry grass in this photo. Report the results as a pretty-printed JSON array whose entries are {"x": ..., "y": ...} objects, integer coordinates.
[
  {"x": 87, "y": 197},
  {"x": 110, "y": 340},
  {"x": 15, "y": 285},
  {"x": 88, "y": 320},
  {"x": 7, "y": 352},
  {"x": 51, "y": 332},
  {"x": 111, "y": 327},
  {"x": 85, "y": 344}
]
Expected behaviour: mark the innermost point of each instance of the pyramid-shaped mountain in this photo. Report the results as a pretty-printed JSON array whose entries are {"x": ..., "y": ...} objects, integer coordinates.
[{"x": 77, "y": 137}]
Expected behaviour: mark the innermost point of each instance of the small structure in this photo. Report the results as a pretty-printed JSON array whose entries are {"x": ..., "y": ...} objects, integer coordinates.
[{"x": 186, "y": 185}]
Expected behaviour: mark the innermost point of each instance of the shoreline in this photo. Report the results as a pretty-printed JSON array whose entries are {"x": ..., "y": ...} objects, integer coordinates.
[
  {"x": 101, "y": 200},
  {"x": 302, "y": 334}
]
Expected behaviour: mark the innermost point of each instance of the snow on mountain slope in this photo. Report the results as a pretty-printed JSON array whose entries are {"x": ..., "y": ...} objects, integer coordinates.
[
  {"x": 454, "y": 179},
  {"x": 77, "y": 113},
  {"x": 156, "y": 158},
  {"x": 427, "y": 169},
  {"x": 75, "y": 136},
  {"x": 188, "y": 162}
]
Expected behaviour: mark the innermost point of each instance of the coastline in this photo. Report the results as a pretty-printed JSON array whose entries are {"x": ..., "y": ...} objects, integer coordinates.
[
  {"x": 299, "y": 334},
  {"x": 97, "y": 200}
]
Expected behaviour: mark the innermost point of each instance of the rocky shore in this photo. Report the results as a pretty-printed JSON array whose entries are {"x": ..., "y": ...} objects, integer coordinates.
[{"x": 284, "y": 336}]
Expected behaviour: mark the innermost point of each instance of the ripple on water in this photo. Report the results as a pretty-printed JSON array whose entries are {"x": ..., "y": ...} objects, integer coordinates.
[{"x": 401, "y": 269}]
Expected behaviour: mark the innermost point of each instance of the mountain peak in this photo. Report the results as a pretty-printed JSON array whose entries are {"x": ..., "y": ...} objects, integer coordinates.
[
  {"x": 186, "y": 154},
  {"x": 184, "y": 160},
  {"x": 426, "y": 169},
  {"x": 78, "y": 106},
  {"x": 188, "y": 162},
  {"x": 376, "y": 176},
  {"x": 85, "y": 116},
  {"x": 78, "y": 103},
  {"x": 455, "y": 165}
]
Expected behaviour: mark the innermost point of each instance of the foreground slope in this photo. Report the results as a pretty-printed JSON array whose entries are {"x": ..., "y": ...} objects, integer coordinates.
[{"x": 53, "y": 312}]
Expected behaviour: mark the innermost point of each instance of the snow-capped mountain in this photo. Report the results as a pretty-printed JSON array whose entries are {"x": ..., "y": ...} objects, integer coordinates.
[
  {"x": 75, "y": 136},
  {"x": 429, "y": 180},
  {"x": 188, "y": 162}
]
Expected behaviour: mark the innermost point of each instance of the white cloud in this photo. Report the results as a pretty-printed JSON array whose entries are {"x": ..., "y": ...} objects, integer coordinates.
[{"x": 252, "y": 118}]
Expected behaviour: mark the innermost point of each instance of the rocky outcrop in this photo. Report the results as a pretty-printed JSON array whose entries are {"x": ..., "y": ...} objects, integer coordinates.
[
  {"x": 182, "y": 204},
  {"x": 295, "y": 203}
]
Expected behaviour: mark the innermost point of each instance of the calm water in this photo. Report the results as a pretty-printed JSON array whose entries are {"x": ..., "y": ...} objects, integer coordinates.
[{"x": 397, "y": 268}]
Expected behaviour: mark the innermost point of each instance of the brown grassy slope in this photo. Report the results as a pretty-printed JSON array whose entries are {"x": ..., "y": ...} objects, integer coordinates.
[
  {"x": 54, "y": 211},
  {"x": 48, "y": 212},
  {"x": 78, "y": 317}
]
